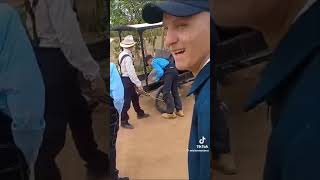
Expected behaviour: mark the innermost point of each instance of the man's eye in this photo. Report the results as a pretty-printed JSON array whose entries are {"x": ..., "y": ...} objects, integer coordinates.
[
  {"x": 165, "y": 30},
  {"x": 181, "y": 26}
]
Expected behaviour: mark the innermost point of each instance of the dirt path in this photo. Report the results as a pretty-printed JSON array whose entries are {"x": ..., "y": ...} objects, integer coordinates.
[
  {"x": 157, "y": 147},
  {"x": 69, "y": 162}
]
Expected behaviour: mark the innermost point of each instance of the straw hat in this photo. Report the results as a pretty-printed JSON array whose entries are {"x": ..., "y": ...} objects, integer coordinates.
[{"x": 127, "y": 42}]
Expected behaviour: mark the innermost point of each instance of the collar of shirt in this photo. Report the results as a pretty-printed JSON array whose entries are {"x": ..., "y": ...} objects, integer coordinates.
[
  {"x": 201, "y": 78},
  {"x": 206, "y": 62},
  {"x": 305, "y": 8},
  {"x": 301, "y": 40}
]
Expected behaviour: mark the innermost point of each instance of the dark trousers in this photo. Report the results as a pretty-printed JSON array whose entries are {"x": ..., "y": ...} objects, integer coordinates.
[
  {"x": 221, "y": 136},
  {"x": 13, "y": 165},
  {"x": 64, "y": 106},
  {"x": 114, "y": 127},
  {"x": 170, "y": 89},
  {"x": 130, "y": 95}
]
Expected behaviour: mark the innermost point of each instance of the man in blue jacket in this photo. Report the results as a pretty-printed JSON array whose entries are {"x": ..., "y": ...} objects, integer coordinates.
[
  {"x": 187, "y": 29},
  {"x": 21, "y": 95},
  {"x": 290, "y": 82},
  {"x": 167, "y": 70},
  {"x": 117, "y": 95}
]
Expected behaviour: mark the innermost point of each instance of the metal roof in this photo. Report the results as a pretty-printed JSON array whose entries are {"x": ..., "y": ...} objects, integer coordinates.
[{"x": 136, "y": 27}]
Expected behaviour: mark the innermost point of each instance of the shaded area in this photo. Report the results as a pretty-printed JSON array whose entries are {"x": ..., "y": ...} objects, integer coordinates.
[
  {"x": 69, "y": 162},
  {"x": 249, "y": 131}
]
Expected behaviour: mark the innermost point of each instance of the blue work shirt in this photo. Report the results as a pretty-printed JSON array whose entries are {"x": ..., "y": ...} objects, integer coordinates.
[
  {"x": 22, "y": 94},
  {"x": 116, "y": 88},
  {"x": 159, "y": 64},
  {"x": 199, "y": 154}
]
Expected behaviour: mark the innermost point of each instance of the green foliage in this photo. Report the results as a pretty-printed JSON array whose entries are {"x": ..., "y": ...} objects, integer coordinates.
[
  {"x": 123, "y": 12},
  {"x": 128, "y": 12}
]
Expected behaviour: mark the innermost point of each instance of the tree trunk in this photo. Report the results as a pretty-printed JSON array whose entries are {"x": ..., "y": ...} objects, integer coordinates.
[{"x": 162, "y": 38}]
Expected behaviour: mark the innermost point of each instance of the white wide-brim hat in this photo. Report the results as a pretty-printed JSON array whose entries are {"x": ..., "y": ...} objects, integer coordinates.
[{"x": 127, "y": 42}]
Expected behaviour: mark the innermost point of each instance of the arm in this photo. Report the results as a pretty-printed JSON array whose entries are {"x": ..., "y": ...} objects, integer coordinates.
[
  {"x": 296, "y": 136},
  {"x": 116, "y": 88},
  {"x": 25, "y": 100},
  {"x": 203, "y": 114},
  {"x": 65, "y": 23},
  {"x": 159, "y": 70},
  {"x": 199, "y": 162},
  {"x": 131, "y": 71}
]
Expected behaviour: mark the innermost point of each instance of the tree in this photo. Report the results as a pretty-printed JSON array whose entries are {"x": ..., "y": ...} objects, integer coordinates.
[{"x": 125, "y": 12}]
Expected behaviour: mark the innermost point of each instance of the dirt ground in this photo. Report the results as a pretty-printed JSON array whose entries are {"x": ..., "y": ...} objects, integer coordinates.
[{"x": 157, "y": 148}]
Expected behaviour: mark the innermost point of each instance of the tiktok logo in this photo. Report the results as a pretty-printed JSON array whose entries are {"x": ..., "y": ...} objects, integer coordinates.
[
  {"x": 202, "y": 145},
  {"x": 201, "y": 141}
]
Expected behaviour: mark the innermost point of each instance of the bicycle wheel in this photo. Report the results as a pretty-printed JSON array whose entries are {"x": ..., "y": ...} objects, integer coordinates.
[{"x": 160, "y": 105}]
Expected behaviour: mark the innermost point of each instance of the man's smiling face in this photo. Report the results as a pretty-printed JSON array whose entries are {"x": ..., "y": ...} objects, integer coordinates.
[{"x": 188, "y": 39}]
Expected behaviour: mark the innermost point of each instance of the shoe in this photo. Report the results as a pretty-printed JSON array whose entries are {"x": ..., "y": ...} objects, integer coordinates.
[
  {"x": 169, "y": 116},
  {"x": 180, "y": 113},
  {"x": 225, "y": 164},
  {"x": 127, "y": 126},
  {"x": 143, "y": 116}
]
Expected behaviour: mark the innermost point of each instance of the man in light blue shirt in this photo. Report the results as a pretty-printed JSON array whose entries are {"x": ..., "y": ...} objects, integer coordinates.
[
  {"x": 167, "y": 69},
  {"x": 117, "y": 95},
  {"x": 159, "y": 64},
  {"x": 21, "y": 87},
  {"x": 116, "y": 88}
]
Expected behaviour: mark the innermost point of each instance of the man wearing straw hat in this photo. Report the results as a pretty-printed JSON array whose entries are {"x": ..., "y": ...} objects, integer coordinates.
[{"x": 130, "y": 81}]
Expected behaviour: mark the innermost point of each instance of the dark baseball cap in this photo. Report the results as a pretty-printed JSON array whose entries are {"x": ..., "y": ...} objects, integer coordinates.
[{"x": 153, "y": 12}]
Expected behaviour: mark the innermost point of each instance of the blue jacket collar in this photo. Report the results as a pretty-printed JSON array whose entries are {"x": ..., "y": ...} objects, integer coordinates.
[
  {"x": 201, "y": 78},
  {"x": 302, "y": 39}
]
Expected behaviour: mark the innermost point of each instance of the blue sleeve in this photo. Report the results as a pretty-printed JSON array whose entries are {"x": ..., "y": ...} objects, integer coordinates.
[
  {"x": 116, "y": 88},
  {"x": 158, "y": 68},
  {"x": 203, "y": 114},
  {"x": 199, "y": 158},
  {"x": 23, "y": 80}
]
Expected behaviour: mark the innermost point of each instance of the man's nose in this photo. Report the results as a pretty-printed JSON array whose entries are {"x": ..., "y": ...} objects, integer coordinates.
[{"x": 170, "y": 38}]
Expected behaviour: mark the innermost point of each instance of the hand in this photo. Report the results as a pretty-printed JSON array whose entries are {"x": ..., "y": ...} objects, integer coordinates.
[
  {"x": 98, "y": 87},
  {"x": 141, "y": 90}
]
